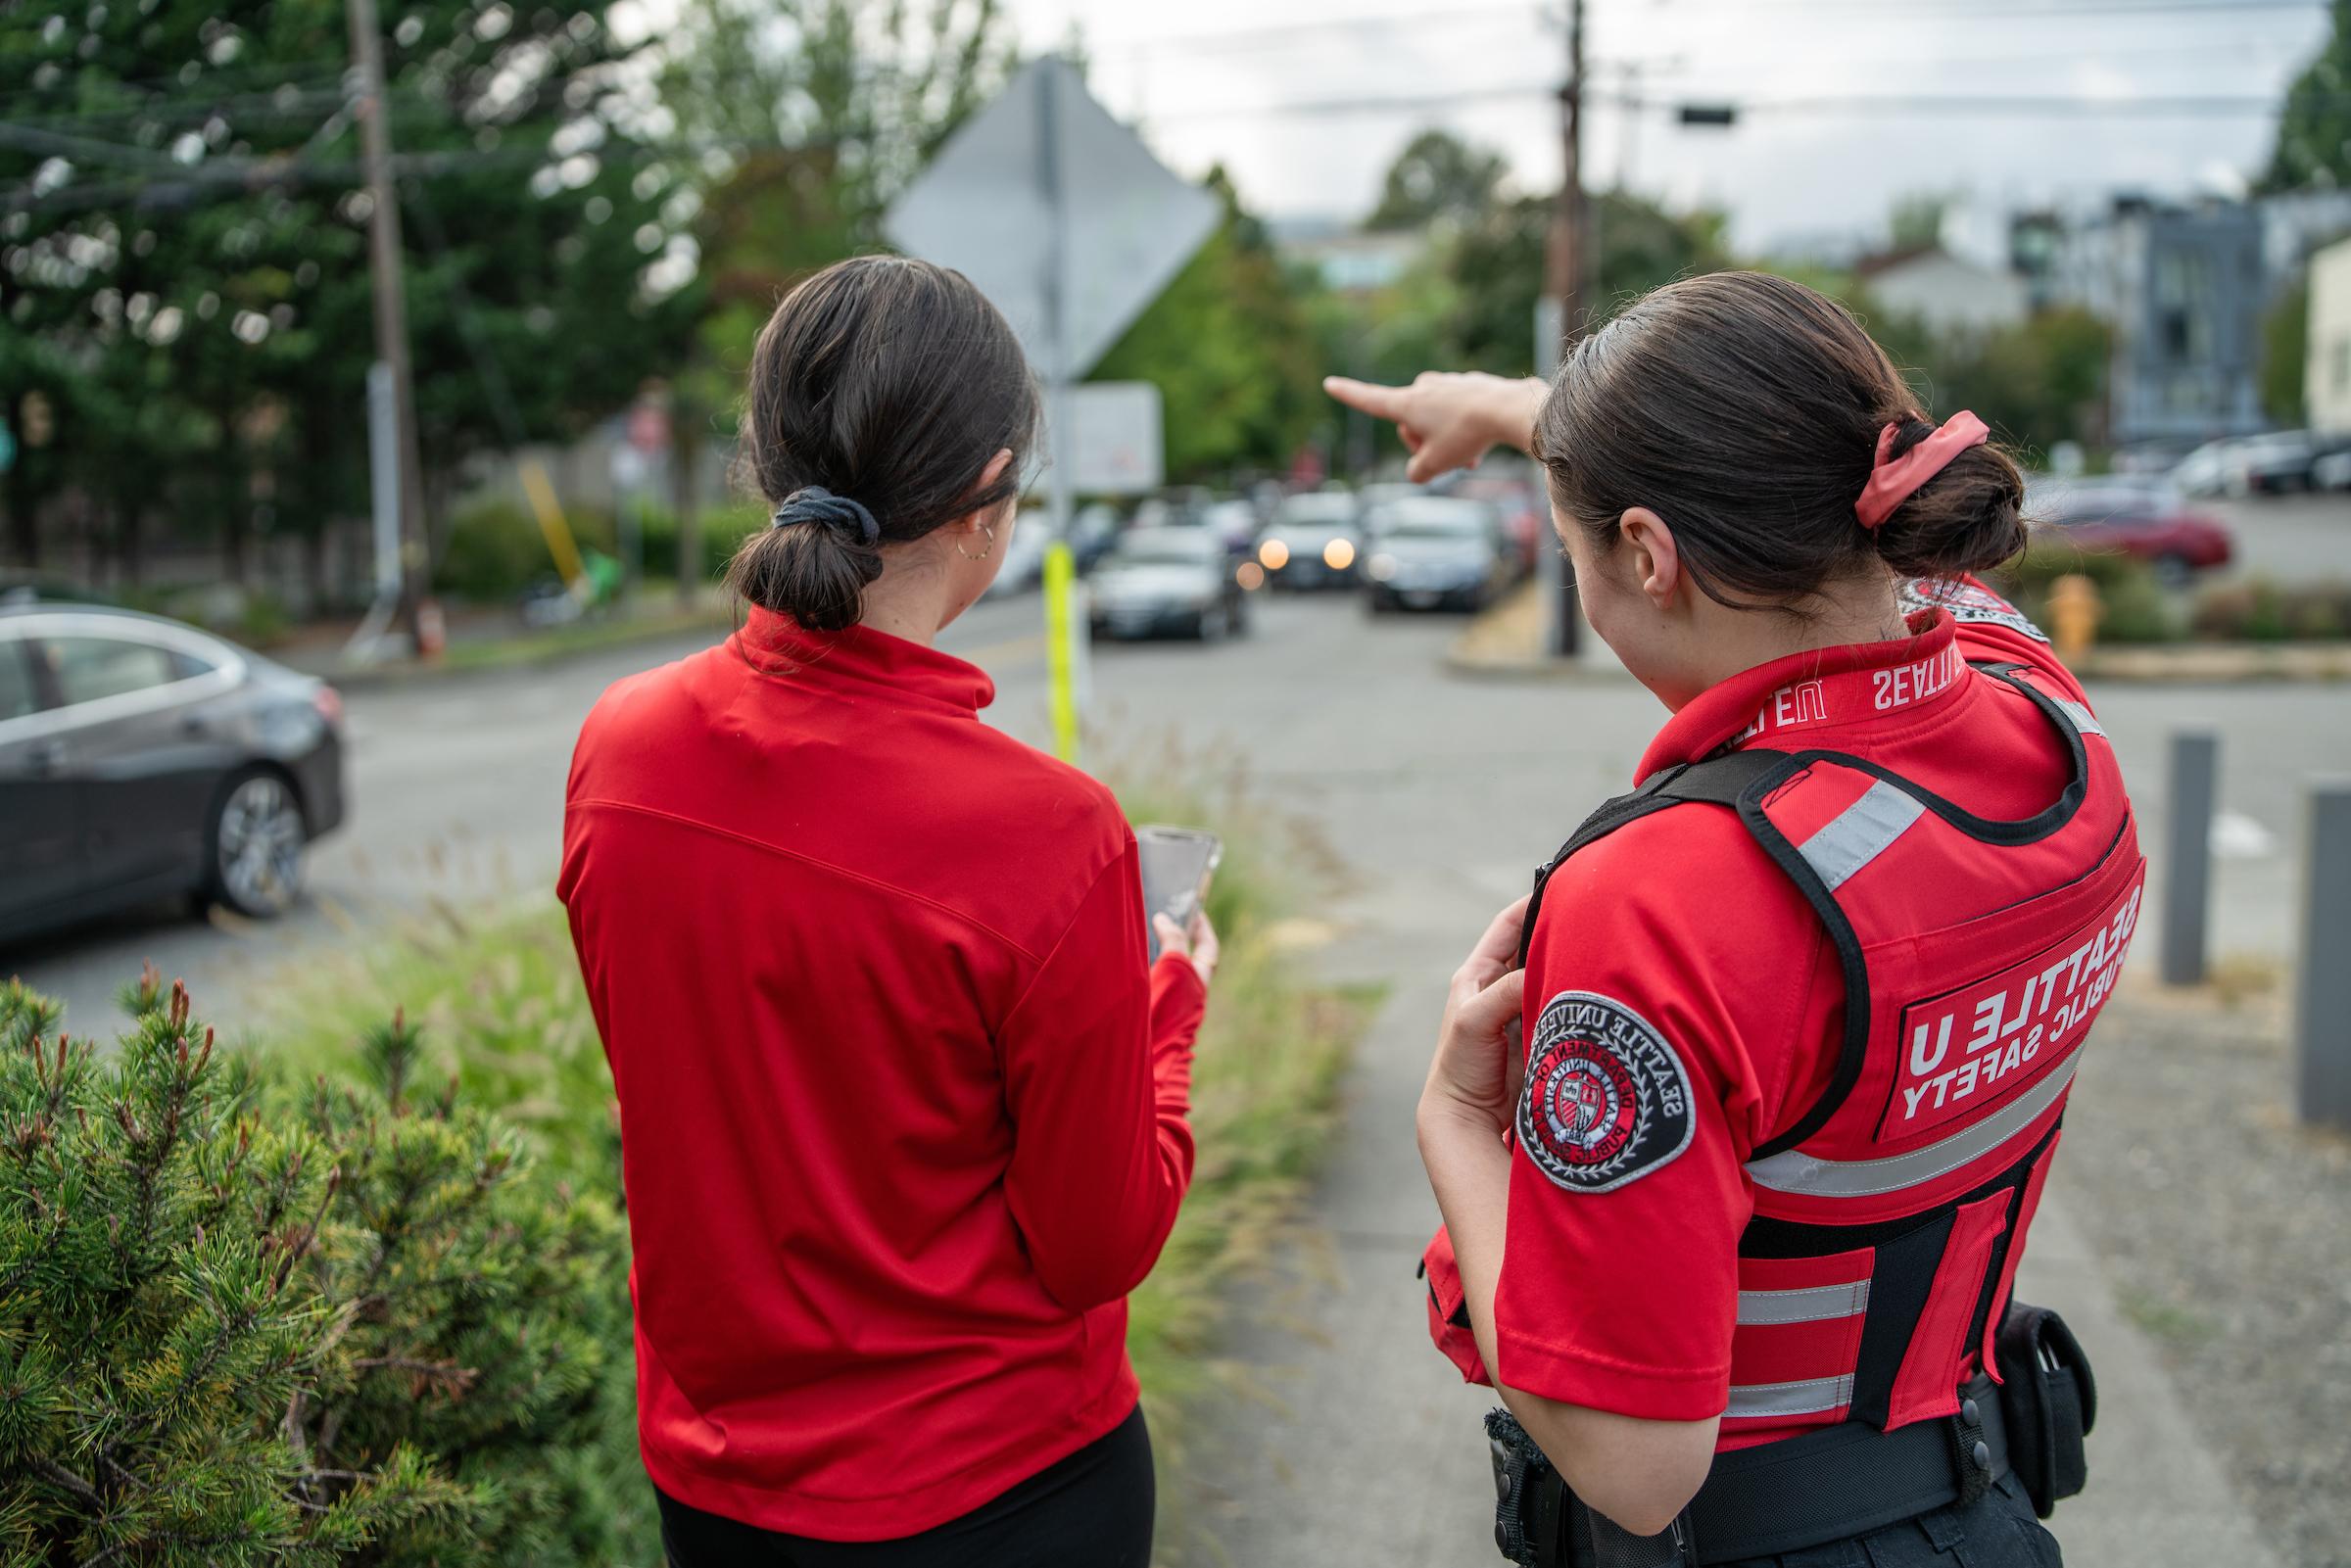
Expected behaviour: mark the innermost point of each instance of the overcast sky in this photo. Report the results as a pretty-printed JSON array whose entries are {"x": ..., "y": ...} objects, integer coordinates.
[{"x": 1201, "y": 76}]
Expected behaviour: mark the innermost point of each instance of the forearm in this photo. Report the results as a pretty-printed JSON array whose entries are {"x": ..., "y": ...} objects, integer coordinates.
[
  {"x": 1511, "y": 410},
  {"x": 1640, "y": 1473}
]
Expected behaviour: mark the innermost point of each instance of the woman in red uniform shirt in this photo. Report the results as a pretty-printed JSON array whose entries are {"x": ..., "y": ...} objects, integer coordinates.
[
  {"x": 903, "y": 1108},
  {"x": 1735, "y": 1169}
]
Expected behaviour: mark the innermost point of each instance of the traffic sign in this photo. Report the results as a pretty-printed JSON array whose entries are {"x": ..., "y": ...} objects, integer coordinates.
[
  {"x": 1116, "y": 443},
  {"x": 1010, "y": 206}
]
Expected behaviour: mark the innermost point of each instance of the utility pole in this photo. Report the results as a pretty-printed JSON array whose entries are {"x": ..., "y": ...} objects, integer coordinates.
[
  {"x": 391, "y": 308},
  {"x": 1567, "y": 268}
]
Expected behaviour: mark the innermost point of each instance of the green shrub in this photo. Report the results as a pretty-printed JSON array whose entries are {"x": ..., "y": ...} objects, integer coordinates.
[
  {"x": 2263, "y": 610},
  {"x": 492, "y": 552},
  {"x": 247, "y": 1322}
]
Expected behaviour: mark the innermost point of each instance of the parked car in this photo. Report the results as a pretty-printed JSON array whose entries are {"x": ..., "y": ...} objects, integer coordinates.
[
  {"x": 1314, "y": 541},
  {"x": 2249, "y": 465},
  {"x": 2143, "y": 518},
  {"x": 141, "y": 759},
  {"x": 2331, "y": 468},
  {"x": 1525, "y": 513},
  {"x": 1435, "y": 552},
  {"x": 1161, "y": 581}
]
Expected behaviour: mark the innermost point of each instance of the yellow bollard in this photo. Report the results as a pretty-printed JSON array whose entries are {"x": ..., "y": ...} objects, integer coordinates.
[
  {"x": 2074, "y": 613},
  {"x": 1063, "y": 628},
  {"x": 553, "y": 525}
]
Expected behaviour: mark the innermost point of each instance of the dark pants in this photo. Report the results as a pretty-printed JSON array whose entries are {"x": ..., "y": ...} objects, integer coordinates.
[
  {"x": 1998, "y": 1532},
  {"x": 1090, "y": 1510}
]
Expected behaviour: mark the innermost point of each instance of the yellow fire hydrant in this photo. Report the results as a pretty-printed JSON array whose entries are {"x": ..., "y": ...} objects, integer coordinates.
[{"x": 2074, "y": 612}]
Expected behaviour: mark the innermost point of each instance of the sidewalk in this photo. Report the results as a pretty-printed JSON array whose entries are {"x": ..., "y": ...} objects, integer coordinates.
[{"x": 1369, "y": 1451}]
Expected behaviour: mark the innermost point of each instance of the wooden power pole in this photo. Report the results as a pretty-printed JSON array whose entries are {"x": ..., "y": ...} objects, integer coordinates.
[
  {"x": 1567, "y": 270},
  {"x": 391, "y": 307}
]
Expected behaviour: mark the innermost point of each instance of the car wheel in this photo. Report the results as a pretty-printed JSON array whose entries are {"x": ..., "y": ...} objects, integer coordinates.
[{"x": 255, "y": 847}]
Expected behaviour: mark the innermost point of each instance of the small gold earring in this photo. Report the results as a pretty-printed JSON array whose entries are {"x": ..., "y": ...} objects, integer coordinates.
[{"x": 983, "y": 554}]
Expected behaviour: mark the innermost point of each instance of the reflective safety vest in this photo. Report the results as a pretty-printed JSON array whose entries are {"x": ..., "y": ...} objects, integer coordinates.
[{"x": 1889, "y": 1215}]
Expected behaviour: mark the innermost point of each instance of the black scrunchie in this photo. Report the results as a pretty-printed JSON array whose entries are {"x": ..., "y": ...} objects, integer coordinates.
[{"x": 817, "y": 505}]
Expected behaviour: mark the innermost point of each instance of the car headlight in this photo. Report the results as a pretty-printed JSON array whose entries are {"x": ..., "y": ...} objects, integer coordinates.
[
  {"x": 1381, "y": 567},
  {"x": 1338, "y": 555},
  {"x": 1275, "y": 554}
]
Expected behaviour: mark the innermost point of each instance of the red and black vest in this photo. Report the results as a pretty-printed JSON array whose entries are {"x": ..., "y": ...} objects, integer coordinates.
[{"x": 1890, "y": 1214}]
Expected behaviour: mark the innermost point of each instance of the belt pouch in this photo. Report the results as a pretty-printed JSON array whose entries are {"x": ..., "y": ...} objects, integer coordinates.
[{"x": 2049, "y": 1400}]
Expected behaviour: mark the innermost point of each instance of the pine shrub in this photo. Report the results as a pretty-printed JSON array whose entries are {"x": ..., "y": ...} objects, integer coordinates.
[{"x": 246, "y": 1322}]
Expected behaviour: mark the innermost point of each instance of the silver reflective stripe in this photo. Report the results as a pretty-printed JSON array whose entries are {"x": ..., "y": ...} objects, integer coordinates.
[
  {"x": 1809, "y": 1397},
  {"x": 2083, "y": 718},
  {"x": 1861, "y": 832},
  {"x": 1812, "y": 1305},
  {"x": 1794, "y": 1171}
]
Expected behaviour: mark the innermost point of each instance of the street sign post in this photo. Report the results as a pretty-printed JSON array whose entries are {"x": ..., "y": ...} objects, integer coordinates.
[{"x": 1063, "y": 217}]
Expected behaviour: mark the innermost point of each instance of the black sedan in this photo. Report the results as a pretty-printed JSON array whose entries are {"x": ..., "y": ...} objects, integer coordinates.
[
  {"x": 143, "y": 759},
  {"x": 1157, "y": 581}
]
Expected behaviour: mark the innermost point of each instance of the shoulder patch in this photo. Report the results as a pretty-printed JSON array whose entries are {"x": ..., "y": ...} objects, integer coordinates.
[
  {"x": 1606, "y": 1098},
  {"x": 1966, "y": 602}
]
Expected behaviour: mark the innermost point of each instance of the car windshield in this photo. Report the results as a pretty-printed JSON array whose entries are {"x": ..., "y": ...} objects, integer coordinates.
[
  {"x": 1431, "y": 519},
  {"x": 1165, "y": 547},
  {"x": 1315, "y": 511}
]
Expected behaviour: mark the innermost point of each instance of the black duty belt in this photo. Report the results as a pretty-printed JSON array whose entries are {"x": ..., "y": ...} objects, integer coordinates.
[
  {"x": 1825, "y": 1486},
  {"x": 1847, "y": 1480}
]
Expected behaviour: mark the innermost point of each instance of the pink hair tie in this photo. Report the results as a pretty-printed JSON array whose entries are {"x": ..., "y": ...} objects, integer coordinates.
[{"x": 1894, "y": 479}]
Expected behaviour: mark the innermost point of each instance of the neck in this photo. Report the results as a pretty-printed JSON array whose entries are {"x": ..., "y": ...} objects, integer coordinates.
[
  {"x": 1731, "y": 641},
  {"x": 909, "y": 600}
]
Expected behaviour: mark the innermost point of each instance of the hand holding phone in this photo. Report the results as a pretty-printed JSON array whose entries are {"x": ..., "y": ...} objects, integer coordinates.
[{"x": 1178, "y": 863}]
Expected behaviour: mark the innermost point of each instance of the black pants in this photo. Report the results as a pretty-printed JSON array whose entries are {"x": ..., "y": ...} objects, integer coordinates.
[
  {"x": 1090, "y": 1510},
  {"x": 1997, "y": 1532}
]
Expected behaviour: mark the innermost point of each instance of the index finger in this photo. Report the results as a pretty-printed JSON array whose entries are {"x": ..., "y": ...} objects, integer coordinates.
[{"x": 1381, "y": 402}]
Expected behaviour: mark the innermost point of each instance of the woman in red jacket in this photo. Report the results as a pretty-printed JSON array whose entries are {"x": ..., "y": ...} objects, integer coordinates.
[
  {"x": 903, "y": 1108},
  {"x": 1739, "y": 1132}
]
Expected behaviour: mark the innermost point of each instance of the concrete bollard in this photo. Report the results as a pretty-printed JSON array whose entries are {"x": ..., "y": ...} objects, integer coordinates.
[
  {"x": 2187, "y": 860},
  {"x": 2323, "y": 987}
]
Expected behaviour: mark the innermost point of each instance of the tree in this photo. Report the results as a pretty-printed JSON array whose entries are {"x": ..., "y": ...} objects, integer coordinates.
[
  {"x": 184, "y": 233},
  {"x": 2314, "y": 129},
  {"x": 1916, "y": 221},
  {"x": 1231, "y": 347},
  {"x": 1438, "y": 177},
  {"x": 2286, "y": 354}
]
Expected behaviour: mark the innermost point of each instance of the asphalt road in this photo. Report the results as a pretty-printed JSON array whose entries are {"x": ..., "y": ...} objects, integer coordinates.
[{"x": 1440, "y": 793}]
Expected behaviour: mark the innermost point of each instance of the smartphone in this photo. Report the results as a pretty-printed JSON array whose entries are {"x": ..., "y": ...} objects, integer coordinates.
[{"x": 1178, "y": 863}]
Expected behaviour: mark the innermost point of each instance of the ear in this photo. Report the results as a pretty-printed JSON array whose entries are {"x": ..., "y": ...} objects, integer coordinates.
[
  {"x": 1656, "y": 562},
  {"x": 974, "y": 522}
]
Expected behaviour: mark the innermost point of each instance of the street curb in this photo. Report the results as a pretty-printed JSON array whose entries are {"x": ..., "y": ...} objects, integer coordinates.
[{"x": 376, "y": 677}]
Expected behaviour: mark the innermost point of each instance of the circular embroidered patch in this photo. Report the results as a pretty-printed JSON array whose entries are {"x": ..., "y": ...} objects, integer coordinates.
[
  {"x": 1606, "y": 1096},
  {"x": 1966, "y": 602}
]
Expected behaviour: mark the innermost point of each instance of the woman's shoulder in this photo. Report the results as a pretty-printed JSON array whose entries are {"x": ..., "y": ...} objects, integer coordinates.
[{"x": 1691, "y": 873}]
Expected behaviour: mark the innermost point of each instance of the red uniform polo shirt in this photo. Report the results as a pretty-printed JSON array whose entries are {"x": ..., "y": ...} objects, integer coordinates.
[
  {"x": 902, "y": 1110},
  {"x": 1625, "y": 1300}
]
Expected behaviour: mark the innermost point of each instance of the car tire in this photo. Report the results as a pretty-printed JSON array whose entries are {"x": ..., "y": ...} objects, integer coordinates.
[{"x": 256, "y": 844}]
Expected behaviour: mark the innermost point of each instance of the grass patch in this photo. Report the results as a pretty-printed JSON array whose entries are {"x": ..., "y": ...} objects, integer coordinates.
[
  {"x": 503, "y": 1014},
  {"x": 580, "y": 636}
]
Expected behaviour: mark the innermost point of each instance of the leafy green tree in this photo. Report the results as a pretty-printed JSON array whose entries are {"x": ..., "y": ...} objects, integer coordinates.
[
  {"x": 1438, "y": 177},
  {"x": 2314, "y": 129},
  {"x": 1916, "y": 221},
  {"x": 183, "y": 228},
  {"x": 1233, "y": 350},
  {"x": 2286, "y": 354}
]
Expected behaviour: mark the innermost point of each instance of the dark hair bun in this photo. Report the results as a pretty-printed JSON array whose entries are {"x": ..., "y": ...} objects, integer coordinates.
[
  {"x": 809, "y": 571},
  {"x": 1967, "y": 518}
]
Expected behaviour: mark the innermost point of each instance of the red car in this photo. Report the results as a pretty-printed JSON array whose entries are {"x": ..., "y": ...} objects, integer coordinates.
[{"x": 2140, "y": 518}]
